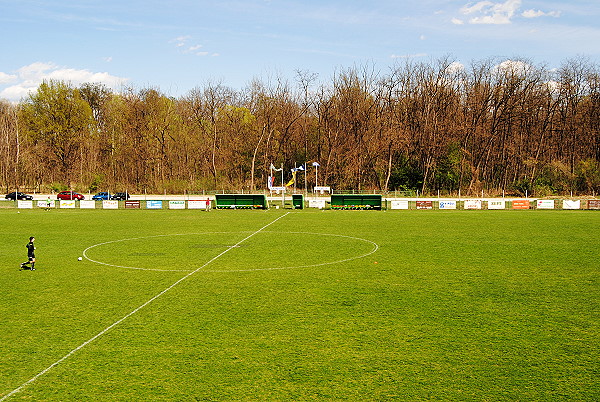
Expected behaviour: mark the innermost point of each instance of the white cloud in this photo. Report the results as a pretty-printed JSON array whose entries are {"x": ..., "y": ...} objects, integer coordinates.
[
  {"x": 455, "y": 67},
  {"x": 514, "y": 67},
  {"x": 181, "y": 43},
  {"x": 487, "y": 12},
  {"x": 28, "y": 78},
  {"x": 456, "y": 21},
  {"x": 539, "y": 13},
  {"x": 7, "y": 78}
]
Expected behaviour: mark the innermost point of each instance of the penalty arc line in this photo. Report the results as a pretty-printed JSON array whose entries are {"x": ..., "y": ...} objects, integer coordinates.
[{"x": 114, "y": 324}]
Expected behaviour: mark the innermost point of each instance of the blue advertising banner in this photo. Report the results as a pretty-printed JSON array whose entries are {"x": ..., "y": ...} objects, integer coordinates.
[{"x": 154, "y": 204}]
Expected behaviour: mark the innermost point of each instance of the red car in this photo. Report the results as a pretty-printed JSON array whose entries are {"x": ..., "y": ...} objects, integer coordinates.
[{"x": 69, "y": 195}]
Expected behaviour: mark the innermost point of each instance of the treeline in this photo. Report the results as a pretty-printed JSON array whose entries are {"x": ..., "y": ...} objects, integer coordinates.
[{"x": 439, "y": 126}]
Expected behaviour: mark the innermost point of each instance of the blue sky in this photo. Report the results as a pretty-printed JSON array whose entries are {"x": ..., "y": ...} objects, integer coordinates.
[{"x": 180, "y": 44}]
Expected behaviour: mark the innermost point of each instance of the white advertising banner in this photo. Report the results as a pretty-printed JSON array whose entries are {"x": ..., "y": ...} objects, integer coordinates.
[
  {"x": 472, "y": 204},
  {"x": 571, "y": 204},
  {"x": 87, "y": 204},
  {"x": 177, "y": 204},
  {"x": 316, "y": 204},
  {"x": 545, "y": 204},
  {"x": 67, "y": 203},
  {"x": 399, "y": 204},
  {"x": 447, "y": 204},
  {"x": 45, "y": 204},
  {"x": 110, "y": 204},
  {"x": 24, "y": 204},
  {"x": 198, "y": 204},
  {"x": 496, "y": 204}
]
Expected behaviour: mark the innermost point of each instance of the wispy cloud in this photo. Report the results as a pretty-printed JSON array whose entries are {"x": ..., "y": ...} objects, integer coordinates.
[
  {"x": 29, "y": 77},
  {"x": 408, "y": 56},
  {"x": 182, "y": 43},
  {"x": 539, "y": 13},
  {"x": 487, "y": 12}
]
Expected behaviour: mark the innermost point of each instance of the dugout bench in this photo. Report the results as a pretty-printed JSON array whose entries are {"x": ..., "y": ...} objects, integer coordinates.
[
  {"x": 356, "y": 201},
  {"x": 240, "y": 201}
]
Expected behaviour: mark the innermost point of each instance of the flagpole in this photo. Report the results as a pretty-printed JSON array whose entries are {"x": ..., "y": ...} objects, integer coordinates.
[{"x": 305, "y": 170}]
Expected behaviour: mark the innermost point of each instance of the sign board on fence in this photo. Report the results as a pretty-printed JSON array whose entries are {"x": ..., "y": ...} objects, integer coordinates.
[
  {"x": 176, "y": 204},
  {"x": 496, "y": 204},
  {"x": 447, "y": 204},
  {"x": 24, "y": 204},
  {"x": 67, "y": 203},
  {"x": 593, "y": 204},
  {"x": 316, "y": 204},
  {"x": 472, "y": 204},
  {"x": 322, "y": 189},
  {"x": 45, "y": 204},
  {"x": 520, "y": 204},
  {"x": 87, "y": 204},
  {"x": 571, "y": 204},
  {"x": 545, "y": 204},
  {"x": 399, "y": 204},
  {"x": 110, "y": 204},
  {"x": 132, "y": 204},
  {"x": 155, "y": 204},
  {"x": 278, "y": 189},
  {"x": 198, "y": 204},
  {"x": 424, "y": 204}
]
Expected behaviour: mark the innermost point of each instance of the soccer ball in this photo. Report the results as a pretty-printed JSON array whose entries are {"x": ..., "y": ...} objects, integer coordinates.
[{"x": 79, "y": 259}]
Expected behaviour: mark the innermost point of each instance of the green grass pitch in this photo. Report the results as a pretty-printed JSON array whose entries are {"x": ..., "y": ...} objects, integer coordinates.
[{"x": 319, "y": 305}]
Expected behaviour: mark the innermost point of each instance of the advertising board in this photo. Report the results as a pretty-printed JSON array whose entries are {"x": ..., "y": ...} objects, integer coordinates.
[
  {"x": 45, "y": 204},
  {"x": 496, "y": 204},
  {"x": 24, "y": 204},
  {"x": 132, "y": 204},
  {"x": 316, "y": 204},
  {"x": 198, "y": 204},
  {"x": 154, "y": 204},
  {"x": 593, "y": 204},
  {"x": 176, "y": 204},
  {"x": 520, "y": 204},
  {"x": 87, "y": 204},
  {"x": 110, "y": 204},
  {"x": 424, "y": 204},
  {"x": 67, "y": 203},
  {"x": 472, "y": 204},
  {"x": 447, "y": 204},
  {"x": 545, "y": 204},
  {"x": 399, "y": 204},
  {"x": 571, "y": 204}
]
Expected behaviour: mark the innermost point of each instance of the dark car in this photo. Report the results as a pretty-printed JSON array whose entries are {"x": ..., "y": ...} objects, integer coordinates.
[
  {"x": 120, "y": 196},
  {"x": 17, "y": 195},
  {"x": 102, "y": 196},
  {"x": 69, "y": 195}
]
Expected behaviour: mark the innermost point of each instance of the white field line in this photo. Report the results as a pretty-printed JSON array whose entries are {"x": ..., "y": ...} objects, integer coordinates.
[{"x": 114, "y": 324}]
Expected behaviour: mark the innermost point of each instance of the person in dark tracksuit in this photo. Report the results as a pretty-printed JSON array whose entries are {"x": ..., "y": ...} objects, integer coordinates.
[{"x": 30, "y": 255}]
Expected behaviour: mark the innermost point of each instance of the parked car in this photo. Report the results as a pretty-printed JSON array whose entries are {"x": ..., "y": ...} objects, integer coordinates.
[
  {"x": 102, "y": 196},
  {"x": 17, "y": 195},
  {"x": 120, "y": 196},
  {"x": 69, "y": 195}
]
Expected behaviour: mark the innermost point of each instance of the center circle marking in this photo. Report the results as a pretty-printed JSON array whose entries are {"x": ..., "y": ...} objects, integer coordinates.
[{"x": 373, "y": 249}]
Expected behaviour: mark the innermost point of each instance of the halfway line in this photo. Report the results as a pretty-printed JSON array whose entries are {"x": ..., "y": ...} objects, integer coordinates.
[{"x": 114, "y": 324}]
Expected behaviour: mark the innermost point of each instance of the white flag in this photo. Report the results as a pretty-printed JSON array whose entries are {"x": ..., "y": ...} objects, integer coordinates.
[{"x": 316, "y": 164}]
